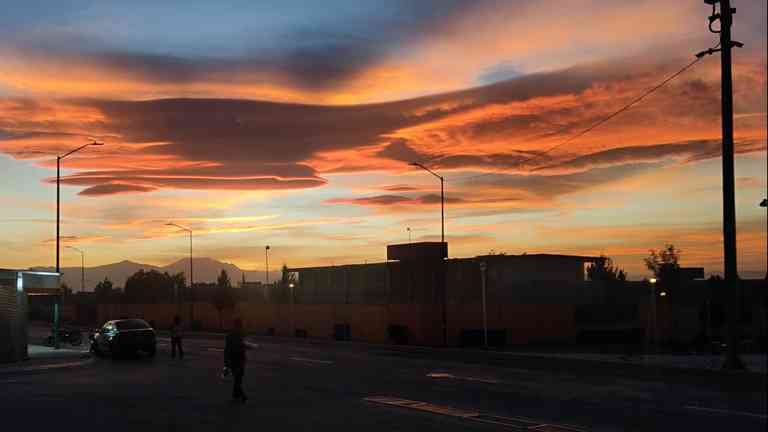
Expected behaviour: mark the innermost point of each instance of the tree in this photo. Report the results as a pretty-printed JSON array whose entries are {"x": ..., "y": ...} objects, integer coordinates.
[
  {"x": 224, "y": 297},
  {"x": 149, "y": 287},
  {"x": 665, "y": 266},
  {"x": 604, "y": 270},
  {"x": 104, "y": 289}
]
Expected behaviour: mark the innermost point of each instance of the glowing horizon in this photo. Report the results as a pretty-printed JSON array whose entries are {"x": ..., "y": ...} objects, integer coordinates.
[{"x": 294, "y": 127}]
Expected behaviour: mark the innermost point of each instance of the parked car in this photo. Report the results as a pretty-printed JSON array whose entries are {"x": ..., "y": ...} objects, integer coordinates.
[{"x": 124, "y": 336}]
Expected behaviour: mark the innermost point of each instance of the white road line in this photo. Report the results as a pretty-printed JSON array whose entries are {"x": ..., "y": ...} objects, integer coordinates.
[
  {"x": 519, "y": 423},
  {"x": 440, "y": 375},
  {"x": 722, "y": 411},
  {"x": 302, "y": 359}
]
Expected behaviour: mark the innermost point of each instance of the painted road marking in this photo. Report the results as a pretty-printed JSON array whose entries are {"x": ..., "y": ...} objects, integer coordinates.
[
  {"x": 519, "y": 423},
  {"x": 440, "y": 375},
  {"x": 303, "y": 359},
  {"x": 729, "y": 412}
]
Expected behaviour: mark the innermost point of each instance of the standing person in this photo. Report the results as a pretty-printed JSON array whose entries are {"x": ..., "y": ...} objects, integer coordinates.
[
  {"x": 176, "y": 334},
  {"x": 234, "y": 359}
]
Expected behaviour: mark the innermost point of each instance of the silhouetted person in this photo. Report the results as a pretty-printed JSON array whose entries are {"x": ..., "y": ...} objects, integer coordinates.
[
  {"x": 176, "y": 335},
  {"x": 234, "y": 359}
]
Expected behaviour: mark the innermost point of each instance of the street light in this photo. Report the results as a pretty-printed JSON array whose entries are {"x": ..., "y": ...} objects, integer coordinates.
[
  {"x": 266, "y": 264},
  {"x": 442, "y": 241},
  {"x": 409, "y": 233},
  {"x": 293, "y": 324},
  {"x": 442, "y": 198},
  {"x": 483, "y": 267},
  {"x": 652, "y": 331},
  {"x": 58, "y": 194},
  {"x": 82, "y": 267},
  {"x": 58, "y": 232},
  {"x": 191, "y": 275}
]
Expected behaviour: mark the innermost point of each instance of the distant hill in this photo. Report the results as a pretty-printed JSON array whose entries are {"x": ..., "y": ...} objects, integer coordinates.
[{"x": 205, "y": 270}]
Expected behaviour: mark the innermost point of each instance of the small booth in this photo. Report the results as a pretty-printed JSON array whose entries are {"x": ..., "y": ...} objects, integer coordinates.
[{"x": 15, "y": 287}]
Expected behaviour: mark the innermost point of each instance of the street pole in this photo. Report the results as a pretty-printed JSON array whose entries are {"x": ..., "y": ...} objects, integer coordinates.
[
  {"x": 266, "y": 264},
  {"x": 483, "y": 267},
  {"x": 82, "y": 267},
  {"x": 725, "y": 16},
  {"x": 191, "y": 283},
  {"x": 58, "y": 211},
  {"x": 293, "y": 323},
  {"x": 442, "y": 209},
  {"x": 57, "y": 302},
  {"x": 409, "y": 234},
  {"x": 442, "y": 241},
  {"x": 191, "y": 274}
]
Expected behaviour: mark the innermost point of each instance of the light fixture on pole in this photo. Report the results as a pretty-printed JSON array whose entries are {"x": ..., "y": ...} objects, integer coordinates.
[
  {"x": 58, "y": 231},
  {"x": 293, "y": 325},
  {"x": 191, "y": 274},
  {"x": 82, "y": 267},
  {"x": 442, "y": 241},
  {"x": 266, "y": 263},
  {"x": 730, "y": 268},
  {"x": 409, "y": 233},
  {"x": 442, "y": 197},
  {"x": 483, "y": 268}
]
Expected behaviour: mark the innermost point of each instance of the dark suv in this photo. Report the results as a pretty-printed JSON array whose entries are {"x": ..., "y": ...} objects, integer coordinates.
[{"x": 124, "y": 336}]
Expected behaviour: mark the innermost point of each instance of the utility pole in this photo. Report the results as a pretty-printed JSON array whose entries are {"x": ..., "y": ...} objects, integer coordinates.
[
  {"x": 191, "y": 275},
  {"x": 82, "y": 267},
  {"x": 57, "y": 302},
  {"x": 266, "y": 264},
  {"x": 442, "y": 241},
  {"x": 725, "y": 17},
  {"x": 483, "y": 267}
]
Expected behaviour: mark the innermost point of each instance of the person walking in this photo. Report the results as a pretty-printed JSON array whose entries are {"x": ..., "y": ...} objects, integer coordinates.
[
  {"x": 176, "y": 335},
  {"x": 234, "y": 359}
]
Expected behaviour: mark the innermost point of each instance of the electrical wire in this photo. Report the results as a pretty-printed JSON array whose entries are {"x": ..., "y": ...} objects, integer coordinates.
[{"x": 599, "y": 122}]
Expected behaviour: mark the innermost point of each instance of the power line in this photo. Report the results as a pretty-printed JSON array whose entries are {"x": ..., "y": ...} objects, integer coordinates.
[{"x": 601, "y": 121}]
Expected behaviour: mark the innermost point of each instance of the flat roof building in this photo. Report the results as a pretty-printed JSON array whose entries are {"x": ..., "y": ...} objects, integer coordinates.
[{"x": 15, "y": 286}]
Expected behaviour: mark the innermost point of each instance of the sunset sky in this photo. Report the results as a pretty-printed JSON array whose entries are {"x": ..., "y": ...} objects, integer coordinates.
[{"x": 291, "y": 123}]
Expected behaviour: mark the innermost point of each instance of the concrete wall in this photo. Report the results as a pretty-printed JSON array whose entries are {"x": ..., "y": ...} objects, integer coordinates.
[{"x": 13, "y": 322}]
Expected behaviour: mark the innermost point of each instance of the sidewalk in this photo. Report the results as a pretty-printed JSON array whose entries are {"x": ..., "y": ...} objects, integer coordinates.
[{"x": 43, "y": 358}]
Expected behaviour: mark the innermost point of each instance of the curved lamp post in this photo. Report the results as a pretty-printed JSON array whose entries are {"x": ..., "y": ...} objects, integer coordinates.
[
  {"x": 191, "y": 274},
  {"x": 56, "y": 304}
]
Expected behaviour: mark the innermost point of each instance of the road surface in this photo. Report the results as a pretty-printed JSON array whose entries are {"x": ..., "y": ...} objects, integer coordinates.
[{"x": 299, "y": 386}]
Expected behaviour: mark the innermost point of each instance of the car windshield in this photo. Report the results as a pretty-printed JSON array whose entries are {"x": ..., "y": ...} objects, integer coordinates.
[{"x": 132, "y": 324}]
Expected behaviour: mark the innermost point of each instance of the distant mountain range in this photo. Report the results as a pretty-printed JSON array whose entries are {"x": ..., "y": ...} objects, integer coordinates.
[{"x": 205, "y": 270}]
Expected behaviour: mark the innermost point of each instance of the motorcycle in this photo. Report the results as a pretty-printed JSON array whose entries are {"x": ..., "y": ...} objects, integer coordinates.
[{"x": 73, "y": 337}]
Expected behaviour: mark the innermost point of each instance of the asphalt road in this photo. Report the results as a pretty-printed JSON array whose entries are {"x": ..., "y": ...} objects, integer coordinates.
[{"x": 298, "y": 386}]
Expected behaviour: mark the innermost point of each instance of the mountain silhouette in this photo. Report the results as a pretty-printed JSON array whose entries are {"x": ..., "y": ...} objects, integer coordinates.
[{"x": 205, "y": 270}]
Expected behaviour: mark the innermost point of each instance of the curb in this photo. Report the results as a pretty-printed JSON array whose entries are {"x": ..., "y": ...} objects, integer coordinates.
[
  {"x": 496, "y": 356},
  {"x": 84, "y": 361}
]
